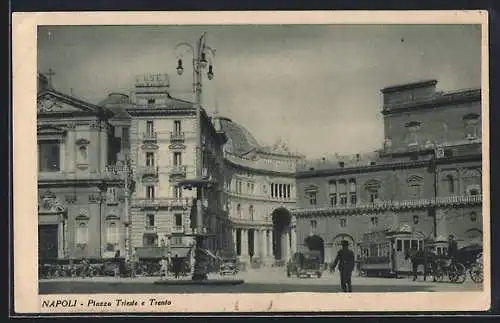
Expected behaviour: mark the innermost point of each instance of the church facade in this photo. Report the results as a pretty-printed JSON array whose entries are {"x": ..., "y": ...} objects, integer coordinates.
[{"x": 427, "y": 177}]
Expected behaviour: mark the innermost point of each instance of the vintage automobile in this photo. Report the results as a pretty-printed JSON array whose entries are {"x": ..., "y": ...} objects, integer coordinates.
[
  {"x": 228, "y": 267},
  {"x": 305, "y": 264}
]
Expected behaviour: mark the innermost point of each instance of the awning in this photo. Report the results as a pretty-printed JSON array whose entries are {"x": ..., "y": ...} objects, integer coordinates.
[{"x": 158, "y": 252}]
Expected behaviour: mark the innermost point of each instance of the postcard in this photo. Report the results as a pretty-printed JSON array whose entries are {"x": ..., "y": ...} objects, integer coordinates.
[{"x": 214, "y": 162}]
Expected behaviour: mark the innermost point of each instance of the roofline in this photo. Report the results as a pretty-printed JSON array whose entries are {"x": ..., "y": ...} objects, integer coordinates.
[{"x": 408, "y": 86}]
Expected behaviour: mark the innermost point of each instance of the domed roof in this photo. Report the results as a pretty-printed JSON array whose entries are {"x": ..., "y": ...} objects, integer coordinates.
[
  {"x": 117, "y": 103},
  {"x": 240, "y": 140}
]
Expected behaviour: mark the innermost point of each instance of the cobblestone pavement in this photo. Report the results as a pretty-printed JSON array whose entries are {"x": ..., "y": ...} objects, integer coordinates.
[{"x": 263, "y": 280}]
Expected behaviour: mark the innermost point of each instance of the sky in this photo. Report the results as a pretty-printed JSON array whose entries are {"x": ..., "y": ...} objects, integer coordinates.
[{"x": 316, "y": 87}]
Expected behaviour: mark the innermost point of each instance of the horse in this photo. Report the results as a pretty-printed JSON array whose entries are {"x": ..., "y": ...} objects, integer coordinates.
[{"x": 425, "y": 258}]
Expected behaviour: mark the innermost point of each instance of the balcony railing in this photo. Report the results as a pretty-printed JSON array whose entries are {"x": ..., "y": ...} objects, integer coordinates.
[
  {"x": 111, "y": 172},
  {"x": 150, "y": 229},
  {"x": 393, "y": 205},
  {"x": 161, "y": 202},
  {"x": 178, "y": 229},
  {"x": 149, "y": 136},
  {"x": 178, "y": 170},
  {"x": 149, "y": 171},
  {"x": 177, "y": 136}
]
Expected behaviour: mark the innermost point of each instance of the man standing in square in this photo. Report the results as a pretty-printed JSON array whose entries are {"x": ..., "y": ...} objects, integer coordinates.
[{"x": 345, "y": 261}]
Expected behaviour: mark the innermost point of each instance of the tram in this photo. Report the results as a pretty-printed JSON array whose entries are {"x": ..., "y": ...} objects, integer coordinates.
[{"x": 382, "y": 253}]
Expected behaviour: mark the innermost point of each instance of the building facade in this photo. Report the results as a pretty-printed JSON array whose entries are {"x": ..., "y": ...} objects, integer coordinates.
[
  {"x": 80, "y": 202},
  {"x": 158, "y": 134},
  {"x": 260, "y": 191},
  {"x": 427, "y": 177}
]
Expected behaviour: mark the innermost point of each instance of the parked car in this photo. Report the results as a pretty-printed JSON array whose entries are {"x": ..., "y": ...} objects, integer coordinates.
[
  {"x": 305, "y": 264},
  {"x": 228, "y": 267}
]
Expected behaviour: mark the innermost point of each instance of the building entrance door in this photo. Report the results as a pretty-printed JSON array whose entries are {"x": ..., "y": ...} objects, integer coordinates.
[{"x": 47, "y": 241}]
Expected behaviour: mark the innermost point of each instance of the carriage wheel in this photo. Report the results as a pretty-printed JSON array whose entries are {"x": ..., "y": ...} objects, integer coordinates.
[
  {"x": 476, "y": 273},
  {"x": 457, "y": 273}
]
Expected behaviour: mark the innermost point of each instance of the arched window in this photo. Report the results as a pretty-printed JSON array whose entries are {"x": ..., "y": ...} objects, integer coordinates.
[
  {"x": 250, "y": 211},
  {"x": 82, "y": 233}
]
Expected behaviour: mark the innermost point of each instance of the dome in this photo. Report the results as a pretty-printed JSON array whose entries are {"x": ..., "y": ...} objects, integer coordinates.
[
  {"x": 117, "y": 103},
  {"x": 240, "y": 140}
]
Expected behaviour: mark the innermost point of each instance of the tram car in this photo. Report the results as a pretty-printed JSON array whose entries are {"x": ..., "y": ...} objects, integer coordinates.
[{"x": 382, "y": 253}]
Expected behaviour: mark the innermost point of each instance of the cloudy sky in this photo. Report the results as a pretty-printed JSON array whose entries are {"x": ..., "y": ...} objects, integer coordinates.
[{"x": 316, "y": 87}]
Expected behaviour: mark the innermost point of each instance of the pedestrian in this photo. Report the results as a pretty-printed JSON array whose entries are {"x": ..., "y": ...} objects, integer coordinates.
[
  {"x": 163, "y": 267},
  {"x": 452, "y": 247},
  {"x": 177, "y": 266},
  {"x": 345, "y": 261}
]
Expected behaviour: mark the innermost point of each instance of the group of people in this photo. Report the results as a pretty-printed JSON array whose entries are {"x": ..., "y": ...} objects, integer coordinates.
[
  {"x": 174, "y": 263},
  {"x": 345, "y": 261}
]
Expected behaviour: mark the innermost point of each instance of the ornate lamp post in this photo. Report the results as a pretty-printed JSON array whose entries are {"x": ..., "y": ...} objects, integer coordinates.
[{"x": 202, "y": 57}]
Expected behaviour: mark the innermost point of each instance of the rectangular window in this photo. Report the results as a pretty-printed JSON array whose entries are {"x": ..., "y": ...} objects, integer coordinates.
[
  {"x": 354, "y": 198},
  {"x": 415, "y": 191},
  {"x": 150, "y": 220},
  {"x": 125, "y": 137},
  {"x": 177, "y": 241},
  {"x": 177, "y": 127},
  {"x": 343, "y": 223},
  {"x": 314, "y": 224},
  {"x": 333, "y": 199},
  {"x": 150, "y": 192},
  {"x": 414, "y": 244},
  {"x": 178, "y": 219},
  {"x": 272, "y": 189},
  {"x": 150, "y": 159},
  {"x": 399, "y": 245},
  {"x": 343, "y": 198},
  {"x": 111, "y": 195},
  {"x": 112, "y": 233},
  {"x": 406, "y": 244},
  {"x": 150, "y": 240},
  {"x": 177, "y": 158},
  {"x": 49, "y": 156},
  {"x": 82, "y": 233},
  {"x": 151, "y": 101},
  {"x": 150, "y": 127},
  {"x": 373, "y": 197},
  {"x": 312, "y": 198}
]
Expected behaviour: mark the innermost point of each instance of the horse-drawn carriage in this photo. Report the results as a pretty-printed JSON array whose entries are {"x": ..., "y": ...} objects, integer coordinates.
[{"x": 468, "y": 260}]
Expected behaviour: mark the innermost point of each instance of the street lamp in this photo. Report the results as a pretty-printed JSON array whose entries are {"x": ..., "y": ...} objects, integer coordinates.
[{"x": 202, "y": 56}]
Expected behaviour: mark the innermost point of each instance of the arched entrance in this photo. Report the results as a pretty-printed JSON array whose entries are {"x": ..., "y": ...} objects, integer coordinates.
[
  {"x": 337, "y": 243},
  {"x": 316, "y": 243},
  {"x": 282, "y": 220}
]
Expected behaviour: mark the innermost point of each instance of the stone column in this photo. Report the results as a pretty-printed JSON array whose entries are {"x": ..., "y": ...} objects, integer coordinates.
[
  {"x": 256, "y": 243},
  {"x": 293, "y": 242},
  {"x": 244, "y": 243},
  {"x": 234, "y": 242},
  {"x": 269, "y": 237},
  {"x": 104, "y": 146},
  {"x": 60, "y": 239},
  {"x": 71, "y": 149},
  {"x": 328, "y": 253},
  {"x": 285, "y": 245},
  {"x": 62, "y": 156},
  {"x": 263, "y": 244}
]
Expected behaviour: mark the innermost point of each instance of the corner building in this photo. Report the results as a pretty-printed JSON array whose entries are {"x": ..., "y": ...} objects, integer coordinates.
[
  {"x": 260, "y": 192},
  {"x": 158, "y": 133},
  {"x": 426, "y": 178}
]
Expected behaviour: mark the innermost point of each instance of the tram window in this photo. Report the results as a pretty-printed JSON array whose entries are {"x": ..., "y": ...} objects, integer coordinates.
[
  {"x": 439, "y": 251},
  {"x": 406, "y": 245},
  {"x": 414, "y": 244},
  {"x": 399, "y": 245}
]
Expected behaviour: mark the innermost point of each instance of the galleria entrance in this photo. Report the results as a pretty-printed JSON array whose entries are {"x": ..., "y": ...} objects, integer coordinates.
[{"x": 283, "y": 234}]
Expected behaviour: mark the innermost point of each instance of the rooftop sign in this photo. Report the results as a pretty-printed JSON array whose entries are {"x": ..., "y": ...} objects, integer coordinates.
[{"x": 152, "y": 80}]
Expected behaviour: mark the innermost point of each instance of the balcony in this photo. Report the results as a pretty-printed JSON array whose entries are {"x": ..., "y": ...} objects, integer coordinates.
[
  {"x": 150, "y": 229},
  {"x": 149, "y": 171},
  {"x": 178, "y": 171},
  {"x": 150, "y": 137},
  {"x": 161, "y": 202},
  {"x": 177, "y": 136},
  {"x": 377, "y": 206},
  {"x": 178, "y": 229}
]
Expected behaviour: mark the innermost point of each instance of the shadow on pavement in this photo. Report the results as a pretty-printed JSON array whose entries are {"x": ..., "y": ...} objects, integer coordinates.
[{"x": 133, "y": 288}]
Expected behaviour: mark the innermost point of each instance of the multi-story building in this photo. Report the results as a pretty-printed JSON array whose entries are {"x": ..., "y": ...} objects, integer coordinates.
[
  {"x": 80, "y": 202},
  {"x": 158, "y": 134},
  {"x": 260, "y": 190},
  {"x": 426, "y": 177}
]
